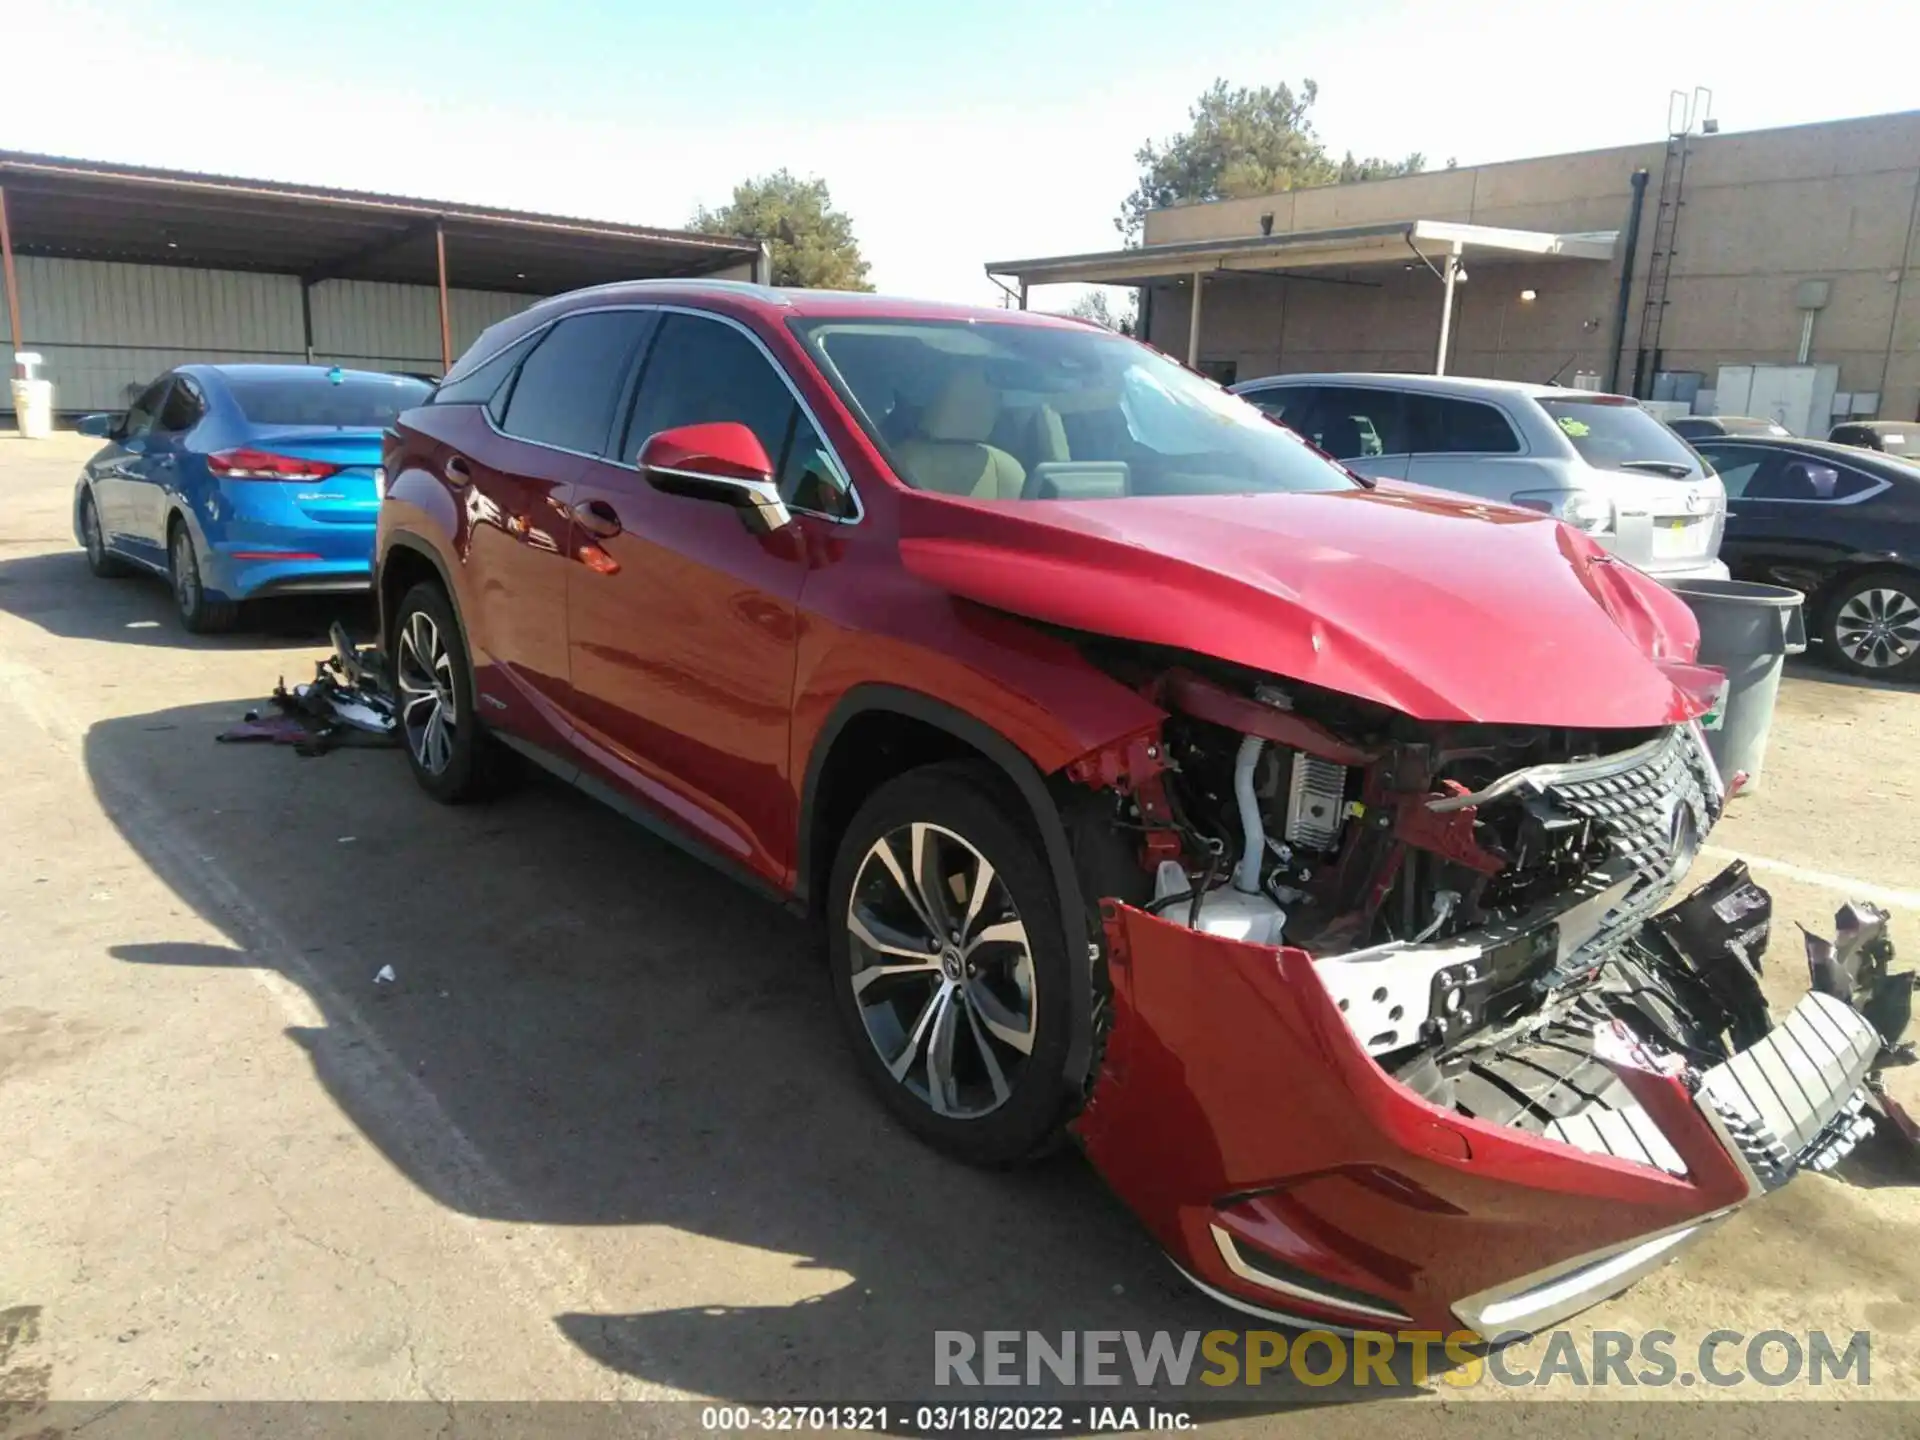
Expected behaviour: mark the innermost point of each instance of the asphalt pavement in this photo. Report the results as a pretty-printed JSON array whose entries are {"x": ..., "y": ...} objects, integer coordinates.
[{"x": 600, "y": 1138}]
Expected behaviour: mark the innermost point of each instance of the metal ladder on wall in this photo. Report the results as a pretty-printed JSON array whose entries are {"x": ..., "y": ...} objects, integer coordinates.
[{"x": 1683, "y": 112}]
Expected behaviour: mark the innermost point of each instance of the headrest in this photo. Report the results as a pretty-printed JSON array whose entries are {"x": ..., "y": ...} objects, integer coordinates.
[{"x": 964, "y": 411}]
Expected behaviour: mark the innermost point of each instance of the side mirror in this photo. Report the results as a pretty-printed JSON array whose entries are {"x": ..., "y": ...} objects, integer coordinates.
[
  {"x": 723, "y": 461},
  {"x": 101, "y": 427}
]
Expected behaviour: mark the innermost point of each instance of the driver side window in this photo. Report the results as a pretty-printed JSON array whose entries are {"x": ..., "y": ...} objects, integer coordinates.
[{"x": 702, "y": 370}]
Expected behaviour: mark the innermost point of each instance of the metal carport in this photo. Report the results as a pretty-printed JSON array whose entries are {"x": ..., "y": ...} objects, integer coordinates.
[
  {"x": 1441, "y": 245},
  {"x": 84, "y": 210}
]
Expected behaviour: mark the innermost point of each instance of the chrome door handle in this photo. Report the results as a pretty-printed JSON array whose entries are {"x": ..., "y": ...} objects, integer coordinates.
[{"x": 597, "y": 518}]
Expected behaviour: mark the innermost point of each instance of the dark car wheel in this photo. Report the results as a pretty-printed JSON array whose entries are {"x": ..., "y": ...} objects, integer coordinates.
[
  {"x": 450, "y": 755},
  {"x": 199, "y": 613},
  {"x": 100, "y": 560},
  {"x": 949, "y": 964},
  {"x": 1873, "y": 625}
]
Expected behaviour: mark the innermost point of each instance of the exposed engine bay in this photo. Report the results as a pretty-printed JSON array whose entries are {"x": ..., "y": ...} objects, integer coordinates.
[{"x": 1480, "y": 901}]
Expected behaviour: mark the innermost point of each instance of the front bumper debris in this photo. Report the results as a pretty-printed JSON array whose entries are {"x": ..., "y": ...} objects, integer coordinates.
[
  {"x": 1288, "y": 1174},
  {"x": 349, "y": 699}
]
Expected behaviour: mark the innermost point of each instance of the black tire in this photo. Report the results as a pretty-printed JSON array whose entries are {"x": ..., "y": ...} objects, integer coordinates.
[
  {"x": 1871, "y": 626},
  {"x": 465, "y": 763},
  {"x": 973, "y": 803},
  {"x": 200, "y": 614},
  {"x": 100, "y": 560}
]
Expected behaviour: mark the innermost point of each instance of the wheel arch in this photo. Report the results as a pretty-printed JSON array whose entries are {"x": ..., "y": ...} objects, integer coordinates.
[
  {"x": 842, "y": 770},
  {"x": 406, "y": 561}
]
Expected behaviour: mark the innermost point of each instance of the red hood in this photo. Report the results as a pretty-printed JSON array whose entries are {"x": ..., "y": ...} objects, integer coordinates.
[{"x": 1443, "y": 609}]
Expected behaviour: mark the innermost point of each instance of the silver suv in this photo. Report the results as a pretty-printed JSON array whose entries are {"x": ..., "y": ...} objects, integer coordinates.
[{"x": 1599, "y": 462}]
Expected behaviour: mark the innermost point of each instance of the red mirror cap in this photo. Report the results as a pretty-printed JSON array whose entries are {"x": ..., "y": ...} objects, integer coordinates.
[{"x": 724, "y": 449}]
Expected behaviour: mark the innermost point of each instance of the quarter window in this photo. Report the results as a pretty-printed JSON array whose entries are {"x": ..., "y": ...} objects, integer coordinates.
[
  {"x": 1458, "y": 427},
  {"x": 569, "y": 386},
  {"x": 478, "y": 385}
]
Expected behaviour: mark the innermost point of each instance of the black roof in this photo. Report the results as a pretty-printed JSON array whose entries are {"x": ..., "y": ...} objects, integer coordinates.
[{"x": 88, "y": 210}]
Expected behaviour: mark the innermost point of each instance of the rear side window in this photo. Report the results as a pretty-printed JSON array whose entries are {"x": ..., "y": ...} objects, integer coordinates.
[
  {"x": 1739, "y": 465},
  {"x": 1438, "y": 425},
  {"x": 1281, "y": 402},
  {"x": 340, "y": 399},
  {"x": 568, "y": 388},
  {"x": 1351, "y": 423},
  {"x": 1803, "y": 478},
  {"x": 477, "y": 386},
  {"x": 1618, "y": 435}
]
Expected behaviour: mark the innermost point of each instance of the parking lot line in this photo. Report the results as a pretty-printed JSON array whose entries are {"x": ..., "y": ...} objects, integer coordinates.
[{"x": 1853, "y": 889}]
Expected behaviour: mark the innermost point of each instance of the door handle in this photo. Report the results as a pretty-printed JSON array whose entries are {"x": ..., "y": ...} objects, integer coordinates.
[
  {"x": 597, "y": 518},
  {"x": 458, "y": 472}
]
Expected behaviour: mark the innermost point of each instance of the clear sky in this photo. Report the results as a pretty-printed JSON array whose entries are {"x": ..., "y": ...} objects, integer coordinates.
[{"x": 953, "y": 134}]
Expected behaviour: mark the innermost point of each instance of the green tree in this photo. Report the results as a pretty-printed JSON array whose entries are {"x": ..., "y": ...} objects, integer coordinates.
[
  {"x": 1242, "y": 142},
  {"x": 1095, "y": 306},
  {"x": 812, "y": 243}
]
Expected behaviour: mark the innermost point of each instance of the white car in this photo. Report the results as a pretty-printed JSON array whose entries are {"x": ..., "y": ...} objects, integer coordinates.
[{"x": 1601, "y": 463}]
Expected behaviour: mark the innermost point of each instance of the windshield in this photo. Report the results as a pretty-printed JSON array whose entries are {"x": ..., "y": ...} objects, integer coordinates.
[
  {"x": 1028, "y": 412},
  {"x": 343, "y": 399},
  {"x": 1615, "y": 434}
]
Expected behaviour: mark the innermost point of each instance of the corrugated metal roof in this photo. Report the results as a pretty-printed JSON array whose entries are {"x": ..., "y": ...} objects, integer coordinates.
[{"x": 88, "y": 209}]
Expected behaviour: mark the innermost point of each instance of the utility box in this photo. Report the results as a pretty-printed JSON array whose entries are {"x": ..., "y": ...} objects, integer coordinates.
[
  {"x": 32, "y": 398},
  {"x": 1799, "y": 397}
]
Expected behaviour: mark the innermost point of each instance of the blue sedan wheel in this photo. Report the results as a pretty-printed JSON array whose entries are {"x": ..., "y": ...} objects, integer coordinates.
[{"x": 200, "y": 614}]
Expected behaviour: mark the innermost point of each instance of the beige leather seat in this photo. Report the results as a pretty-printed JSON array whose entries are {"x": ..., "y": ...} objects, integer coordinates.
[{"x": 951, "y": 453}]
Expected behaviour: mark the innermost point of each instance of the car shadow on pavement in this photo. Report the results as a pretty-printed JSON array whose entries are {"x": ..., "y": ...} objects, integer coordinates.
[
  {"x": 60, "y": 595},
  {"x": 630, "y": 1044}
]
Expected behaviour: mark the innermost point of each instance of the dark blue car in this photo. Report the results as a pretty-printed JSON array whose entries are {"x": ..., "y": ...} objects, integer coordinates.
[{"x": 241, "y": 481}]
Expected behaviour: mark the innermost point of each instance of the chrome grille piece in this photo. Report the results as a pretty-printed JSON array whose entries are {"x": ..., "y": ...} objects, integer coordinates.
[
  {"x": 1656, "y": 813},
  {"x": 1653, "y": 806},
  {"x": 1795, "y": 1098}
]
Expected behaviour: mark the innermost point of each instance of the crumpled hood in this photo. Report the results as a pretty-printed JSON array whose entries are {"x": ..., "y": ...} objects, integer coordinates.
[{"x": 1442, "y": 608}]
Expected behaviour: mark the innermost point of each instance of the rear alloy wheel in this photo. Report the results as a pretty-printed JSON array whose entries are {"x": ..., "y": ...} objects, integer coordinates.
[
  {"x": 199, "y": 613},
  {"x": 950, "y": 966},
  {"x": 100, "y": 560},
  {"x": 1873, "y": 626},
  {"x": 451, "y": 757}
]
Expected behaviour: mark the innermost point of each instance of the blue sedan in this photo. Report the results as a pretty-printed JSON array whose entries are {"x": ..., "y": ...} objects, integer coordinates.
[{"x": 241, "y": 481}]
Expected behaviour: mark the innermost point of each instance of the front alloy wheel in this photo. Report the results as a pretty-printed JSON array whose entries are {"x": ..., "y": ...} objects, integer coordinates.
[
  {"x": 949, "y": 962},
  {"x": 942, "y": 970}
]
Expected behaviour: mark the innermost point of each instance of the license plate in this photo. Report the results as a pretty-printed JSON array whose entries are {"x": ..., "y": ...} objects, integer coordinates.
[{"x": 1677, "y": 535}]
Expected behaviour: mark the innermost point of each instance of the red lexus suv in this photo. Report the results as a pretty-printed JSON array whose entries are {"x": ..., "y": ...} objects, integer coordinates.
[{"x": 1296, "y": 845}]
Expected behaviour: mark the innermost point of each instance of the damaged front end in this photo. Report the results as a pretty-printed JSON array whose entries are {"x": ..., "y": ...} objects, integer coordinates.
[{"x": 1400, "y": 1035}]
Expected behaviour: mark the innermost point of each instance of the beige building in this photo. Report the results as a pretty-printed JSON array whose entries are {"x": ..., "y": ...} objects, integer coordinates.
[{"x": 1731, "y": 230}]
